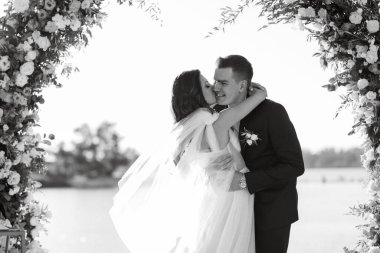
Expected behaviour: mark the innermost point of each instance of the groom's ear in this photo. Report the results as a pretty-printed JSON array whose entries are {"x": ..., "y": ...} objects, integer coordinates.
[{"x": 243, "y": 85}]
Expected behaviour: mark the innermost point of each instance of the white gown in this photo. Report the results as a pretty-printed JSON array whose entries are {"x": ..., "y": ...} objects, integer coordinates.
[{"x": 164, "y": 207}]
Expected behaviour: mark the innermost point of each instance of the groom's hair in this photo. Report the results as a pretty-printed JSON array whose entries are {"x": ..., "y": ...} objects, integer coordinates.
[
  {"x": 187, "y": 94},
  {"x": 241, "y": 67}
]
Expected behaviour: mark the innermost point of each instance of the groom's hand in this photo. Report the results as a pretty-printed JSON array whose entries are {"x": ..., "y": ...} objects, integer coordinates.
[{"x": 235, "y": 184}]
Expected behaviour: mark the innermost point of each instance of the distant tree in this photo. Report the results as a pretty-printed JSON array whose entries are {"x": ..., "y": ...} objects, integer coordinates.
[
  {"x": 95, "y": 153},
  {"x": 331, "y": 158}
]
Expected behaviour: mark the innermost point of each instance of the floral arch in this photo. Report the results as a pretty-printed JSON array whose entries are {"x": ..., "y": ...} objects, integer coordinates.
[{"x": 35, "y": 39}]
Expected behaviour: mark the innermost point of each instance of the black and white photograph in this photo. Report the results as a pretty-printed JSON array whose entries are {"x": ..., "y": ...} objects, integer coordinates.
[{"x": 189, "y": 126}]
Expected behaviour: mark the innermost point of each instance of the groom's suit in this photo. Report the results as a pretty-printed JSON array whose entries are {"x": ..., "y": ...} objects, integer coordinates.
[{"x": 275, "y": 162}]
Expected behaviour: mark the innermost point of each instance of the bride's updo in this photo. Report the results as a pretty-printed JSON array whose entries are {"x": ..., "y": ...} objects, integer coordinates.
[{"x": 187, "y": 94}]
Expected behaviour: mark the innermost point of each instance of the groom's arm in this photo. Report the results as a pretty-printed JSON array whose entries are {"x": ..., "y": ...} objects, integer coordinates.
[{"x": 287, "y": 148}]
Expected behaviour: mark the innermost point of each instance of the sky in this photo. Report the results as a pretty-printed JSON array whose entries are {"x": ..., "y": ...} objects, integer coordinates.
[{"x": 127, "y": 71}]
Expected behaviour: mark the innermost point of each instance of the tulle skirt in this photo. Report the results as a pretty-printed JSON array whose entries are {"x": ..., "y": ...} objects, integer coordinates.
[{"x": 162, "y": 209}]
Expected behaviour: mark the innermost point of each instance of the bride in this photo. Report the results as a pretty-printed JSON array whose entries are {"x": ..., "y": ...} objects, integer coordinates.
[{"x": 177, "y": 199}]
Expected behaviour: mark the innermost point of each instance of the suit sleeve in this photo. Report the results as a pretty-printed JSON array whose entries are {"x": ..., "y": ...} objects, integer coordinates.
[{"x": 284, "y": 141}]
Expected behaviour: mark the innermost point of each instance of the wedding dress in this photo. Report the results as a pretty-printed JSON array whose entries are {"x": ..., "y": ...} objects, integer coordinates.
[{"x": 175, "y": 201}]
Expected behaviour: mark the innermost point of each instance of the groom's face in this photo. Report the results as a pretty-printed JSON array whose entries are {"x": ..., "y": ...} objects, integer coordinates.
[{"x": 227, "y": 88}]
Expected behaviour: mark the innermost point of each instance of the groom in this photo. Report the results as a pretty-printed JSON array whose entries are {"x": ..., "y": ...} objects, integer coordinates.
[{"x": 272, "y": 153}]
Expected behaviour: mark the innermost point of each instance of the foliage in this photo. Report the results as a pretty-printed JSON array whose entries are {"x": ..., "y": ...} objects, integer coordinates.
[
  {"x": 35, "y": 39},
  {"x": 347, "y": 32}
]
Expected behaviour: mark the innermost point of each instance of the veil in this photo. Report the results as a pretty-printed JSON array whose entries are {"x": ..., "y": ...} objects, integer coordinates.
[{"x": 167, "y": 196}]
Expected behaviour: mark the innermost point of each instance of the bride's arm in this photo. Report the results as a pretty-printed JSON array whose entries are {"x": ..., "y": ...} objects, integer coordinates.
[{"x": 232, "y": 115}]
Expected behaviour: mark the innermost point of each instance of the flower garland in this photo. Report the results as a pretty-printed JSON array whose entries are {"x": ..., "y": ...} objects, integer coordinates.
[
  {"x": 348, "y": 34},
  {"x": 35, "y": 38},
  {"x": 35, "y": 35}
]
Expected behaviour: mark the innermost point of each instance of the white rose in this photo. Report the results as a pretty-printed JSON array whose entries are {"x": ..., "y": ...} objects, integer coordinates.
[
  {"x": 374, "y": 186},
  {"x": 34, "y": 153},
  {"x": 48, "y": 214},
  {"x": 5, "y": 128},
  {"x": 371, "y": 95},
  {"x": 374, "y": 250},
  {"x": 37, "y": 210},
  {"x": 27, "y": 68},
  {"x": 75, "y": 24},
  {"x": 310, "y": 12},
  {"x": 350, "y": 64},
  {"x": 371, "y": 56},
  {"x": 289, "y": 1},
  {"x": 43, "y": 43},
  {"x": 4, "y": 63},
  {"x": 21, "y": 79},
  {"x": 322, "y": 13},
  {"x": 254, "y": 137},
  {"x": 361, "y": 50},
  {"x": 34, "y": 233},
  {"x": 26, "y": 159},
  {"x": 60, "y": 21},
  {"x": 25, "y": 46},
  {"x": 74, "y": 6},
  {"x": 51, "y": 27},
  {"x": 36, "y": 35},
  {"x": 33, "y": 221},
  {"x": 86, "y": 4},
  {"x": 372, "y": 26},
  {"x": 20, "y": 5},
  {"x": 374, "y": 69},
  {"x": 20, "y": 146},
  {"x": 13, "y": 178},
  {"x": 49, "y": 5},
  {"x": 356, "y": 17},
  {"x": 14, "y": 190},
  {"x": 362, "y": 83},
  {"x": 31, "y": 55},
  {"x": 370, "y": 155}
]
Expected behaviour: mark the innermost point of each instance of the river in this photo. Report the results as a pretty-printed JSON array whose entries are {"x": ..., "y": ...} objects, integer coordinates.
[{"x": 81, "y": 224}]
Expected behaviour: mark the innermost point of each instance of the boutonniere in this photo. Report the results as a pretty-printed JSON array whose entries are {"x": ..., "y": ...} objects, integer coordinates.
[{"x": 249, "y": 137}]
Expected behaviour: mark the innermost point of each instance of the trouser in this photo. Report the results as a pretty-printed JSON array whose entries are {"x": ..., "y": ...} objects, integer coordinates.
[{"x": 272, "y": 241}]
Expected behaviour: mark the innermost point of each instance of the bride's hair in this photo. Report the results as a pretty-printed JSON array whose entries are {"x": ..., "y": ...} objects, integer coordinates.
[{"x": 187, "y": 94}]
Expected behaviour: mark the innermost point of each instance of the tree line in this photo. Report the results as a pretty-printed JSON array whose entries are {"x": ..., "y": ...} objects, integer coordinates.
[
  {"x": 332, "y": 158},
  {"x": 97, "y": 153}
]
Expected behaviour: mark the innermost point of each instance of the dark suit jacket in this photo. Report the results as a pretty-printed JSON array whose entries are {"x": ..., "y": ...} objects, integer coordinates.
[{"x": 274, "y": 163}]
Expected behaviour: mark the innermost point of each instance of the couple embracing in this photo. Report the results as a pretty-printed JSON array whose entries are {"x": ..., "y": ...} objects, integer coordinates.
[{"x": 223, "y": 181}]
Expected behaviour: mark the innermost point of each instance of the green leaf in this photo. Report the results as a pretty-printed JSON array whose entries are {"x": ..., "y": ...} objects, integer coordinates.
[{"x": 6, "y": 196}]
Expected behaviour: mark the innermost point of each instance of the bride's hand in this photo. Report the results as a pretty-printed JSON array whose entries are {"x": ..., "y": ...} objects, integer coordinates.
[
  {"x": 223, "y": 162},
  {"x": 257, "y": 90}
]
